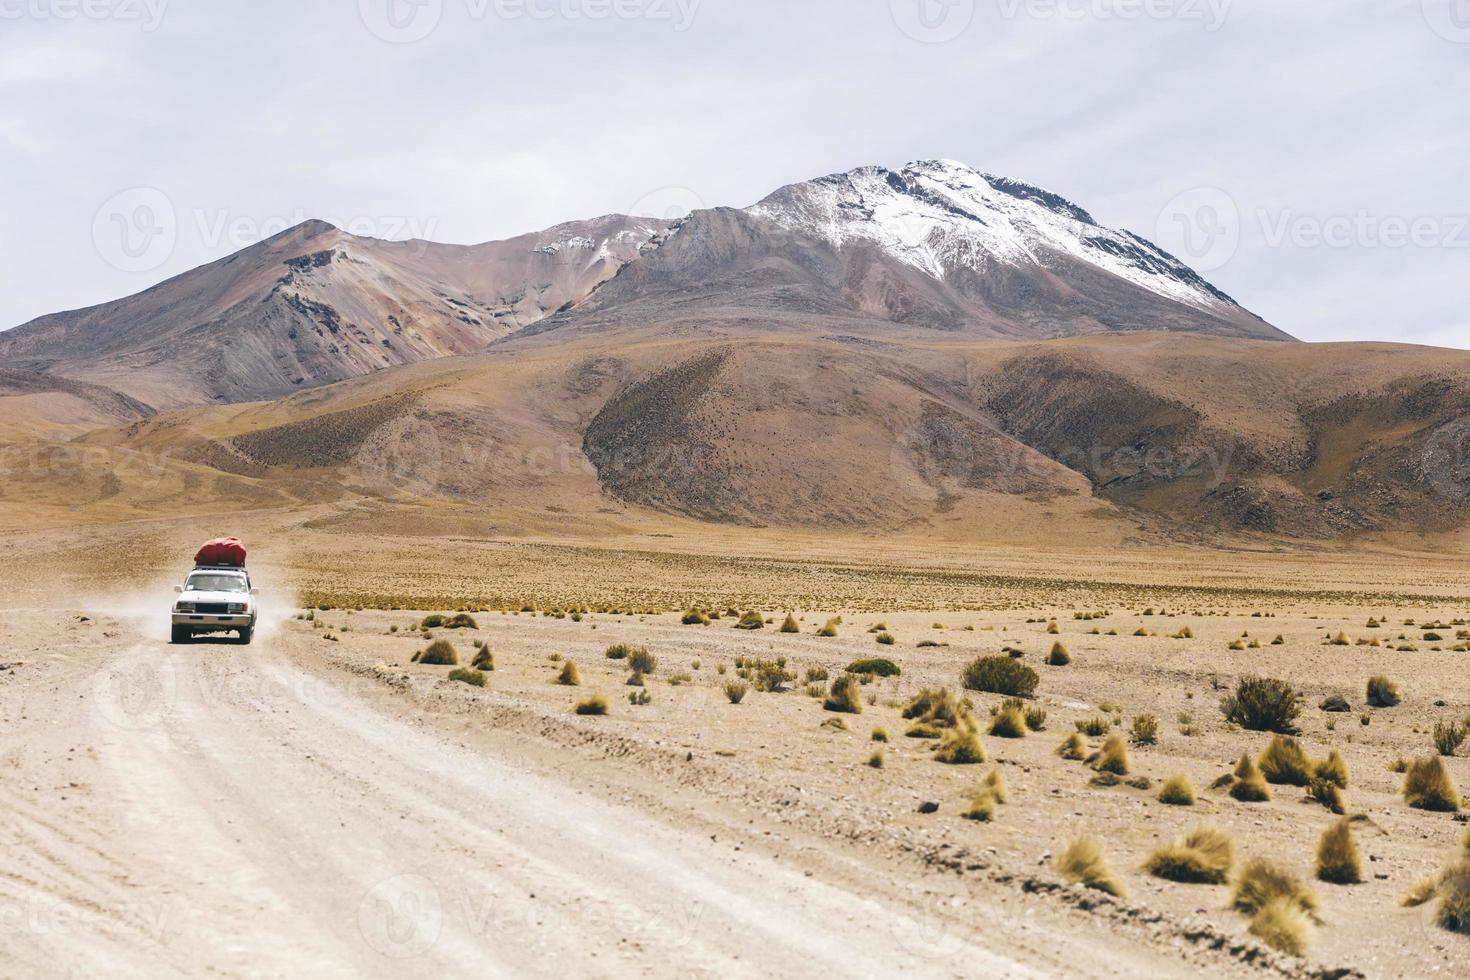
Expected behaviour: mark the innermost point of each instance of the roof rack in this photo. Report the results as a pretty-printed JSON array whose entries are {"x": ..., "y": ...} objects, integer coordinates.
[{"x": 219, "y": 568}]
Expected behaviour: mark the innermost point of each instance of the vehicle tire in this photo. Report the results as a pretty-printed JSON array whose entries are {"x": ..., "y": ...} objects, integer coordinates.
[
  {"x": 181, "y": 634},
  {"x": 246, "y": 634}
]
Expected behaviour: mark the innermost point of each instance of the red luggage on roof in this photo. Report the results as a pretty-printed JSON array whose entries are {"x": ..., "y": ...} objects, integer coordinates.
[{"x": 222, "y": 551}]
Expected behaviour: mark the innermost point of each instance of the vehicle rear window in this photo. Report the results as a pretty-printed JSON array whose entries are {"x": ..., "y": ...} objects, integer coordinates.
[{"x": 213, "y": 582}]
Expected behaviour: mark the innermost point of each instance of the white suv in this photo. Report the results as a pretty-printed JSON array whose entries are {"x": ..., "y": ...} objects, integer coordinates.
[{"x": 214, "y": 600}]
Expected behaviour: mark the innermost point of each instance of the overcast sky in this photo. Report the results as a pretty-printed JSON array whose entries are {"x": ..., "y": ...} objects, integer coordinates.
[{"x": 1311, "y": 157}]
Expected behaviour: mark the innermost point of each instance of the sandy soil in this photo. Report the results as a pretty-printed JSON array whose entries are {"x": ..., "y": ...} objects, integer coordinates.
[{"x": 317, "y": 804}]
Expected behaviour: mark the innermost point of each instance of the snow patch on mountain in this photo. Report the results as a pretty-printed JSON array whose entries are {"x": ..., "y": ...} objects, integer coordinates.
[{"x": 941, "y": 216}]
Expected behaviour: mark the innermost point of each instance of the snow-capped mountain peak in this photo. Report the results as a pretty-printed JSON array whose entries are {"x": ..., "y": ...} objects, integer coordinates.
[{"x": 941, "y": 216}]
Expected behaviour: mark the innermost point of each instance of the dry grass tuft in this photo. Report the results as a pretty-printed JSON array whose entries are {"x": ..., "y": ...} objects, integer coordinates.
[
  {"x": 1382, "y": 692},
  {"x": 1338, "y": 859},
  {"x": 1000, "y": 675},
  {"x": 695, "y": 617},
  {"x": 1177, "y": 791},
  {"x": 790, "y": 625},
  {"x": 1249, "y": 786},
  {"x": 595, "y": 705},
  {"x": 1073, "y": 747},
  {"x": 471, "y": 677},
  {"x": 880, "y": 734},
  {"x": 1454, "y": 899},
  {"x": 1009, "y": 722},
  {"x": 982, "y": 808},
  {"x": 1145, "y": 730},
  {"x": 1263, "y": 704},
  {"x": 995, "y": 785},
  {"x": 736, "y": 691},
  {"x": 1333, "y": 769},
  {"x": 961, "y": 745},
  {"x": 1204, "y": 856},
  {"x": 484, "y": 659},
  {"x": 751, "y": 621},
  {"x": 1112, "y": 757},
  {"x": 1284, "y": 763},
  {"x": 1428, "y": 786},
  {"x": 829, "y": 628},
  {"x": 441, "y": 653},
  {"x": 846, "y": 695},
  {"x": 1282, "y": 925},
  {"x": 1060, "y": 656},
  {"x": 569, "y": 677},
  {"x": 1261, "y": 882},
  {"x": 1082, "y": 862},
  {"x": 875, "y": 760}
]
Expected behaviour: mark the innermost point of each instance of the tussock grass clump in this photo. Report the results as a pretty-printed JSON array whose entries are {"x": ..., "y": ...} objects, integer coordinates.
[
  {"x": 1285, "y": 764},
  {"x": 1060, "y": 656},
  {"x": 770, "y": 676},
  {"x": 735, "y": 691},
  {"x": 1177, "y": 791},
  {"x": 1035, "y": 719},
  {"x": 1283, "y": 926},
  {"x": 1335, "y": 704},
  {"x": 829, "y": 628},
  {"x": 816, "y": 674},
  {"x": 1454, "y": 899},
  {"x": 1448, "y": 736},
  {"x": 995, "y": 785},
  {"x": 1204, "y": 856},
  {"x": 1095, "y": 727},
  {"x": 695, "y": 617},
  {"x": 885, "y": 639},
  {"x": 1263, "y": 704},
  {"x": 484, "y": 659},
  {"x": 595, "y": 705},
  {"x": 1073, "y": 747},
  {"x": 618, "y": 651},
  {"x": 846, "y": 695},
  {"x": 1382, "y": 692},
  {"x": 1112, "y": 757},
  {"x": 876, "y": 759},
  {"x": 1333, "y": 769},
  {"x": 1249, "y": 786},
  {"x": 1328, "y": 794},
  {"x": 1083, "y": 863},
  {"x": 1000, "y": 675},
  {"x": 1338, "y": 859},
  {"x": 1009, "y": 722},
  {"x": 1261, "y": 882},
  {"x": 790, "y": 625},
  {"x": 877, "y": 666},
  {"x": 569, "y": 677},
  {"x": 640, "y": 661},
  {"x": 932, "y": 710},
  {"x": 880, "y": 734},
  {"x": 472, "y": 677},
  {"x": 982, "y": 809},
  {"x": 433, "y": 621},
  {"x": 1145, "y": 730},
  {"x": 461, "y": 621},
  {"x": 961, "y": 745},
  {"x": 751, "y": 621},
  {"x": 440, "y": 653},
  {"x": 1428, "y": 786}
]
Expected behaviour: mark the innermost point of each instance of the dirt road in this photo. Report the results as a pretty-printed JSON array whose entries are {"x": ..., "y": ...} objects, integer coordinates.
[{"x": 217, "y": 809}]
